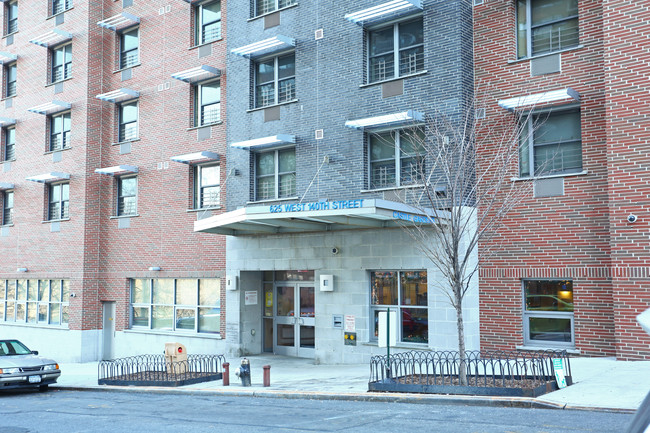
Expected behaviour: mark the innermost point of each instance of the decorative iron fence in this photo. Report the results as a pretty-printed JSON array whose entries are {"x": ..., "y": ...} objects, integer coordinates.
[
  {"x": 527, "y": 374},
  {"x": 156, "y": 370}
]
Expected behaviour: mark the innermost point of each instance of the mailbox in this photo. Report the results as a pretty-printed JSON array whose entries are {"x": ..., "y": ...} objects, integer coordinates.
[{"x": 176, "y": 358}]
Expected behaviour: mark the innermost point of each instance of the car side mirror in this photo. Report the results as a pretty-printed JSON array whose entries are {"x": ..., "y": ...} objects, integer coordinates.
[{"x": 34, "y": 352}]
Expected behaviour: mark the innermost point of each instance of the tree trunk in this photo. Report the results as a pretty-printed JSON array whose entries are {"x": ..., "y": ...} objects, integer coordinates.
[{"x": 462, "y": 368}]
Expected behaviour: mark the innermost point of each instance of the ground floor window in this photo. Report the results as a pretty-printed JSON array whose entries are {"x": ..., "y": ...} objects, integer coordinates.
[
  {"x": 406, "y": 293},
  {"x": 42, "y": 302},
  {"x": 548, "y": 313},
  {"x": 183, "y": 304}
]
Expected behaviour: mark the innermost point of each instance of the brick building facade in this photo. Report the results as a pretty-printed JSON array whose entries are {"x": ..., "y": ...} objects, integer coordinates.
[{"x": 574, "y": 271}]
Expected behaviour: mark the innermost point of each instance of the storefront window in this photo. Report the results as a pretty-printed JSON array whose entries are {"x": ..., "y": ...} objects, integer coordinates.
[
  {"x": 38, "y": 302},
  {"x": 548, "y": 313},
  {"x": 406, "y": 293}
]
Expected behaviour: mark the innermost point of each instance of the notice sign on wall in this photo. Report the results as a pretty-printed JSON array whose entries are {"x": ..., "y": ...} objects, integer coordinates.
[
  {"x": 250, "y": 298},
  {"x": 350, "y": 324}
]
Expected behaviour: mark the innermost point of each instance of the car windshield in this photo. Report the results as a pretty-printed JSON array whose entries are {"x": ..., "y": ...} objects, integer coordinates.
[{"x": 13, "y": 347}]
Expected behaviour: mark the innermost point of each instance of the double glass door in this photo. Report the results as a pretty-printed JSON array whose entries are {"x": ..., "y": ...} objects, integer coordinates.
[{"x": 294, "y": 319}]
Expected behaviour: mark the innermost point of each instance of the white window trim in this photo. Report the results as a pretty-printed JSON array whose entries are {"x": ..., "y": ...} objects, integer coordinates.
[
  {"x": 397, "y": 158},
  {"x": 198, "y": 106},
  {"x": 529, "y": 33},
  {"x": 276, "y": 174},
  {"x": 120, "y": 135},
  {"x": 198, "y": 186},
  {"x": 276, "y": 80},
  {"x": 119, "y": 196},
  {"x": 198, "y": 35},
  {"x": 121, "y": 51},
  {"x": 545, "y": 314}
]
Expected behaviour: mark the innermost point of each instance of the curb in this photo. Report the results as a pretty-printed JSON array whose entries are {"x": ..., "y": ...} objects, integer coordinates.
[{"x": 431, "y": 399}]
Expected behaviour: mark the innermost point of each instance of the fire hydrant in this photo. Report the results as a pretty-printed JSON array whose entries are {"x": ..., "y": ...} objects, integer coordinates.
[{"x": 244, "y": 372}]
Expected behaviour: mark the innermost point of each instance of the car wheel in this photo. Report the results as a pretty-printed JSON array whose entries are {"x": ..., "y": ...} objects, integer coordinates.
[{"x": 43, "y": 388}]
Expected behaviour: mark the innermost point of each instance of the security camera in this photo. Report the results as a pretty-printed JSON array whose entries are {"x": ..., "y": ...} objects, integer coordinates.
[
  {"x": 631, "y": 218},
  {"x": 335, "y": 250}
]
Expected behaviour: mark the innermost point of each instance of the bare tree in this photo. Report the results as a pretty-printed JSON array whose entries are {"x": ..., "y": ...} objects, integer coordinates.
[{"x": 461, "y": 168}]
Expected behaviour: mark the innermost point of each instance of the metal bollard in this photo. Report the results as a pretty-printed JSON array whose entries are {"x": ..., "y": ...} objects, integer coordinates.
[
  {"x": 226, "y": 374},
  {"x": 267, "y": 375}
]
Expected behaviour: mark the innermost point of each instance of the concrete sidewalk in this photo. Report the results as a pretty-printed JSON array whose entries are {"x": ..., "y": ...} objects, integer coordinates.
[{"x": 599, "y": 384}]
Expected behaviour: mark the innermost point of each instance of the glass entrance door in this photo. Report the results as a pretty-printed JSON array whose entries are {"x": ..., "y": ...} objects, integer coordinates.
[{"x": 294, "y": 320}]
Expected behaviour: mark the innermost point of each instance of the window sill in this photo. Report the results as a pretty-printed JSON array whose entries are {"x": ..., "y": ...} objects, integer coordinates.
[
  {"x": 400, "y": 345},
  {"x": 57, "y": 14},
  {"x": 55, "y": 221},
  {"x": 193, "y": 47},
  {"x": 550, "y": 176},
  {"x": 257, "y": 17},
  {"x": 7, "y": 225},
  {"x": 114, "y": 217},
  {"x": 193, "y": 128},
  {"x": 204, "y": 209},
  {"x": 8, "y": 97},
  {"x": 403, "y": 77},
  {"x": 58, "y": 82},
  {"x": 569, "y": 350},
  {"x": 129, "y": 67},
  {"x": 10, "y": 34},
  {"x": 117, "y": 143},
  {"x": 49, "y": 152},
  {"x": 170, "y": 332},
  {"x": 272, "y": 200},
  {"x": 250, "y": 110},
  {"x": 523, "y": 59},
  {"x": 36, "y": 325},
  {"x": 8, "y": 160},
  {"x": 392, "y": 188}
]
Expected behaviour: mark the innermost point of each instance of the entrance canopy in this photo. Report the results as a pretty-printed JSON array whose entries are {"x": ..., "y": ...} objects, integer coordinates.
[{"x": 312, "y": 217}]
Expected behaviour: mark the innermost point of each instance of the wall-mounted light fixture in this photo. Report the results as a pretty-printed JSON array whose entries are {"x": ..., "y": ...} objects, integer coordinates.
[
  {"x": 154, "y": 268},
  {"x": 21, "y": 270}
]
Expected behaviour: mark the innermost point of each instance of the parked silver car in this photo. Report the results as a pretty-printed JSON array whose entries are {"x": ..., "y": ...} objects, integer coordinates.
[{"x": 23, "y": 368}]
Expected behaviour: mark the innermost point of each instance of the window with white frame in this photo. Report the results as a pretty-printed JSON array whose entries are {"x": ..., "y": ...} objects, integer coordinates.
[
  {"x": 60, "y": 126},
  {"x": 9, "y": 144},
  {"x": 11, "y": 14},
  {"x": 129, "y": 48},
  {"x": 266, "y": 6},
  {"x": 396, "y": 158},
  {"x": 127, "y": 195},
  {"x": 275, "y": 174},
  {"x": 546, "y": 26},
  {"x": 7, "y": 208},
  {"x": 59, "y": 6},
  {"x": 61, "y": 63},
  {"x": 187, "y": 305},
  {"x": 403, "y": 292},
  {"x": 127, "y": 121},
  {"x": 275, "y": 80},
  {"x": 395, "y": 51},
  {"x": 10, "y": 80},
  {"x": 59, "y": 198},
  {"x": 548, "y": 313},
  {"x": 207, "y": 22},
  {"x": 42, "y": 302},
  {"x": 207, "y": 103},
  {"x": 207, "y": 191},
  {"x": 550, "y": 143}
]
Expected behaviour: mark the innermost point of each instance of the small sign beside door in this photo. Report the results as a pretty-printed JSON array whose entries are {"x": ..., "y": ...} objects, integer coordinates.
[
  {"x": 350, "y": 324},
  {"x": 250, "y": 298}
]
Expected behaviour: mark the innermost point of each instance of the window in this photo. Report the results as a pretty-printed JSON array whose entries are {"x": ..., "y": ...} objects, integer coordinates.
[
  {"x": 59, "y": 194},
  {"x": 275, "y": 80},
  {"x": 127, "y": 196},
  {"x": 176, "y": 304},
  {"x": 275, "y": 174},
  {"x": 396, "y": 158},
  {"x": 404, "y": 292},
  {"x": 11, "y": 12},
  {"x": 208, "y": 22},
  {"x": 265, "y": 6},
  {"x": 128, "y": 121},
  {"x": 207, "y": 103},
  {"x": 59, "y": 6},
  {"x": 208, "y": 190},
  {"x": 551, "y": 144},
  {"x": 7, "y": 208},
  {"x": 129, "y": 48},
  {"x": 548, "y": 313},
  {"x": 43, "y": 302},
  {"x": 61, "y": 63},
  {"x": 10, "y": 80},
  {"x": 9, "y": 153},
  {"x": 60, "y": 125},
  {"x": 395, "y": 51},
  {"x": 545, "y": 26}
]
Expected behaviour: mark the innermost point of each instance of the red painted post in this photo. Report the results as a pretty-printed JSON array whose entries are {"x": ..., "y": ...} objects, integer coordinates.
[
  {"x": 267, "y": 375},
  {"x": 226, "y": 374}
]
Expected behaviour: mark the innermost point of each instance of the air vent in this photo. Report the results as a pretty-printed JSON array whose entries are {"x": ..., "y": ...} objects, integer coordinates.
[
  {"x": 478, "y": 2},
  {"x": 318, "y": 34},
  {"x": 164, "y": 86},
  {"x": 318, "y": 134},
  {"x": 479, "y": 113}
]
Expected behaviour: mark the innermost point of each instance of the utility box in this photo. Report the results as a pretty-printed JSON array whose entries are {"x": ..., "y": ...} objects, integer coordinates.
[{"x": 176, "y": 358}]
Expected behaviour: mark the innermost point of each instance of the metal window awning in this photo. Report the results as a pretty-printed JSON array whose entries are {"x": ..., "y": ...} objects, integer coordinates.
[
  {"x": 402, "y": 119},
  {"x": 119, "y": 95},
  {"x": 7, "y": 121},
  {"x": 274, "y": 140},
  {"x": 196, "y": 158},
  {"x": 119, "y": 21},
  {"x": 384, "y": 11},
  {"x": 6, "y": 185},
  {"x": 315, "y": 217},
  {"x": 53, "y": 37},
  {"x": 550, "y": 97},
  {"x": 200, "y": 73},
  {"x": 267, "y": 46},
  {"x": 117, "y": 170},
  {"x": 53, "y": 176},
  {"x": 50, "y": 108},
  {"x": 6, "y": 57}
]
